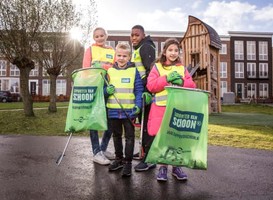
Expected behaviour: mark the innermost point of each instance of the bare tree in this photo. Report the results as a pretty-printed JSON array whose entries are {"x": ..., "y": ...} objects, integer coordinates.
[{"x": 26, "y": 23}]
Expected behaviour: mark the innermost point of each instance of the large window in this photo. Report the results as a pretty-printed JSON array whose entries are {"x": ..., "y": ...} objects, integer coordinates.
[
  {"x": 3, "y": 68},
  {"x": 239, "y": 70},
  {"x": 251, "y": 90},
  {"x": 61, "y": 87},
  {"x": 251, "y": 50},
  {"x": 223, "y": 70},
  {"x": 35, "y": 71},
  {"x": 251, "y": 70},
  {"x": 111, "y": 43},
  {"x": 46, "y": 87},
  {"x": 14, "y": 71},
  {"x": 223, "y": 49},
  {"x": 263, "y": 50},
  {"x": 263, "y": 70},
  {"x": 263, "y": 90},
  {"x": 239, "y": 50},
  {"x": 223, "y": 86}
]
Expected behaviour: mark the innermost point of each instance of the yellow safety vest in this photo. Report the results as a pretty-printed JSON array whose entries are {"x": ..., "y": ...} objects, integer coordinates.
[
  {"x": 102, "y": 55},
  {"x": 161, "y": 97},
  {"x": 138, "y": 62},
  {"x": 124, "y": 81}
]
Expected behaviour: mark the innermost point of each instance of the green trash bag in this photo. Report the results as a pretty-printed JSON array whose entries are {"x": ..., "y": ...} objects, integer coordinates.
[
  {"x": 86, "y": 109},
  {"x": 182, "y": 137}
]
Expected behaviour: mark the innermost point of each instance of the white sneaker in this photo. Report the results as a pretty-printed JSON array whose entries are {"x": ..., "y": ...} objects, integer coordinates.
[
  {"x": 109, "y": 155},
  {"x": 101, "y": 159}
]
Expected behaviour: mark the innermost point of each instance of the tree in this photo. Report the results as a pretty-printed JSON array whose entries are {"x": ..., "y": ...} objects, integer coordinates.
[{"x": 26, "y": 23}]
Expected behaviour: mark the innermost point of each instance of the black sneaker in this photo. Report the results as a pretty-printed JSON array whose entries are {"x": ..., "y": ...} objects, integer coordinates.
[
  {"x": 142, "y": 166},
  {"x": 115, "y": 165},
  {"x": 127, "y": 169}
]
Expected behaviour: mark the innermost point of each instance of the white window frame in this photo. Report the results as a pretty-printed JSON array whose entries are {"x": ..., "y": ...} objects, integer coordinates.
[
  {"x": 263, "y": 70},
  {"x": 251, "y": 50},
  {"x": 223, "y": 69},
  {"x": 35, "y": 71},
  {"x": 223, "y": 87},
  {"x": 61, "y": 87},
  {"x": 239, "y": 70},
  {"x": 14, "y": 70},
  {"x": 263, "y": 90},
  {"x": 111, "y": 43},
  {"x": 3, "y": 68},
  {"x": 223, "y": 49},
  {"x": 263, "y": 50},
  {"x": 239, "y": 50},
  {"x": 45, "y": 87},
  {"x": 251, "y": 70},
  {"x": 251, "y": 90}
]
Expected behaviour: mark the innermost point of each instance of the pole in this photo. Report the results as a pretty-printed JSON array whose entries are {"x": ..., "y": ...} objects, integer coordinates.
[{"x": 59, "y": 160}]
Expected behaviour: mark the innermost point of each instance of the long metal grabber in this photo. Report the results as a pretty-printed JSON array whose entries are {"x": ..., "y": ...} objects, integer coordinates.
[
  {"x": 141, "y": 128},
  {"x": 59, "y": 160},
  {"x": 126, "y": 114}
]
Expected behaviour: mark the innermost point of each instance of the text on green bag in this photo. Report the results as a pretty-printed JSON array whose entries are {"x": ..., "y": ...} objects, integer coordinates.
[
  {"x": 186, "y": 121},
  {"x": 84, "y": 94}
]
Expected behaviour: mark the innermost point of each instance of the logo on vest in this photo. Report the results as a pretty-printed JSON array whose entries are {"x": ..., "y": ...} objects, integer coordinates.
[
  {"x": 186, "y": 121},
  {"x": 84, "y": 94},
  {"x": 125, "y": 80},
  {"x": 109, "y": 56}
]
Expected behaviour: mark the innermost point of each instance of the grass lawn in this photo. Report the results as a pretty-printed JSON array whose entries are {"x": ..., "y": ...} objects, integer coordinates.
[{"x": 245, "y": 126}]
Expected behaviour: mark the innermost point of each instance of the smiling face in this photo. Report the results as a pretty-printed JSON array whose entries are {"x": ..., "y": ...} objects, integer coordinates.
[
  {"x": 172, "y": 53},
  {"x": 100, "y": 37},
  {"x": 122, "y": 57},
  {"x": 137, "y": 36}
]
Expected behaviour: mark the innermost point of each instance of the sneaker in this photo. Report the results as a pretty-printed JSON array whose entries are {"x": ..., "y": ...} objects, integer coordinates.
[
  {"x": 142, "y": 166},
  {"x": 179, "y": 174},
  {"x": 136, "y": 156},
  {"x": 109, "y": 155},
  {"x": 115, "y": 165},
  {"x": 127, "y": 169},
  {"x": 101, "y": 159},
  {"x": 162, "y": 174}
]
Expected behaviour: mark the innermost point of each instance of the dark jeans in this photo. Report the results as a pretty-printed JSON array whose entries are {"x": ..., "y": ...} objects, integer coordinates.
[
  {"x": 96, "y": 146},
  {"x": 117, "y": 126}
]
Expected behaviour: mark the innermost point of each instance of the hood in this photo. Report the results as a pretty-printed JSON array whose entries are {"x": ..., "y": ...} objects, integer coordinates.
[{"x": 146, "y": 40}]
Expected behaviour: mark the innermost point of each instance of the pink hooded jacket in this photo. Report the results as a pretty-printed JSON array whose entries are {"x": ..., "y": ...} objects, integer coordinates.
[{"x": 155, "y": 84}]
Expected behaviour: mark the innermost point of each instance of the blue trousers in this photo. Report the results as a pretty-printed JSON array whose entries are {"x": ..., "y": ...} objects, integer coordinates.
[{"x": 95, "y": 143}]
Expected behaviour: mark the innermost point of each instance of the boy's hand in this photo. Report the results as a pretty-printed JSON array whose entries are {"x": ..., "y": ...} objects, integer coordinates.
[
  {"x": 172, "y": 76},
  {"x": 147, "y": 97},
  {"x": 110, "y": 89},
  {"x": 136, "y": 110},
  {"x": 179, "y": 82}
]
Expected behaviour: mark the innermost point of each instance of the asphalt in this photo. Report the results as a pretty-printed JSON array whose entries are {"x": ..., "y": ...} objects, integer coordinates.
[{"x": 28, "y": 171}]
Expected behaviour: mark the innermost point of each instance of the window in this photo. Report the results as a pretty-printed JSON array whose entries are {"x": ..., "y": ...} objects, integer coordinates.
[
  {"x": 35, "y": 71},
  {"x": 263, "y": 70},
  {"x": 14, "y": 85},
  {"x": 223, "y": 87},
  {"x": 3, "y": 68},
  {"x": 251, "y": 50},
  {"x": 251, "y": 70},
  {"x": 223, "y": 49},
  {"x": 263, "y": 50},
  {"x": 46, "y": 87},
  {"x": 239, "y": 70},
  {"x": 239, "y": 50},
  {"x": 61, "y": 87},
  {"x": 161, "y": 46},
  {"x": 156, "y": 48},
  {"x": 251, "y": 90},
  {"x": 111, "y": 43},
  {"x": 4, "y": 84},
  {"x": 263, "y": 90},
  {"x": 14, "y": 71},
  {"x": 223, "y": 70}
]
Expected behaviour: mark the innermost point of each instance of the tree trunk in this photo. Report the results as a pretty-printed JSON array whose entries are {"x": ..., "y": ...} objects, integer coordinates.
[
  {"x": 26, "y": 96},
  {"x": 52, "y": 102}
]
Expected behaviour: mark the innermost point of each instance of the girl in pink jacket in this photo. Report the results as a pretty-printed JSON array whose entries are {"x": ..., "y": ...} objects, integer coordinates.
[{"x": 168, "y": 70}]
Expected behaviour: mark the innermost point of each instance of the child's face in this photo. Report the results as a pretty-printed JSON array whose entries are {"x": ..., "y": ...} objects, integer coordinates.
[
  {"x": 136, "y": 36},
  {"x": 100, "y": 37},
  {"x": 172, "y": 53},
  {"x": 122, "y": 57}
]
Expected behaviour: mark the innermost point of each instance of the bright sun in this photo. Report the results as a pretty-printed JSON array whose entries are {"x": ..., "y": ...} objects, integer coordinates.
[{"x": 76, "y": 33}]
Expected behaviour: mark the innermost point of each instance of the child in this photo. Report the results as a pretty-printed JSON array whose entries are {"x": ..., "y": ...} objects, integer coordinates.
[
  {"x": 124, "y": 95},
  {"x": 100, "y": 55},
  {"x": 168, "y": 70},
  {"x": 143, "y": 56}
]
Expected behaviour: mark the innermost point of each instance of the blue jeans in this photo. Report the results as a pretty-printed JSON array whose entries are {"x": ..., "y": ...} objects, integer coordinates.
[{"x": 95, "y": 143}]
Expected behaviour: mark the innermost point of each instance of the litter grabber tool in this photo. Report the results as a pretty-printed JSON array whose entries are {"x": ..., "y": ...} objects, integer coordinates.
[{"x": 59, "y": 160}]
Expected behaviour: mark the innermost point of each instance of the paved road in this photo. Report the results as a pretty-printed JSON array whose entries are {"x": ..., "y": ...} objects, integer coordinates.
[{"x": 28, "y": 171}]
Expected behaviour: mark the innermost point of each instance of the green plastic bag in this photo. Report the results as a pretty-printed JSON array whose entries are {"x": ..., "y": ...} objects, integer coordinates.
[
  {"x": 86, "y": 109},
  {"x": 182, "y": 137}
]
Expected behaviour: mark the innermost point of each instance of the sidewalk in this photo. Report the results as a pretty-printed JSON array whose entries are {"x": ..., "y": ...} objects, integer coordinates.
[{"x": 28, "y": 170}]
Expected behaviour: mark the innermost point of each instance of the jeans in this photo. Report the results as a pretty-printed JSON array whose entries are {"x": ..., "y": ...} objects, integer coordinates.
[
  {"x": 96, "y": 146},
  {"x": 117, "y": 126}
]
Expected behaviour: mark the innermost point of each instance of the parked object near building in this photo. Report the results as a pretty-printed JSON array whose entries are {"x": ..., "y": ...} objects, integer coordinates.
[
  {"x": 5, "y": 96},
  {"x": 228, "y": 98}
]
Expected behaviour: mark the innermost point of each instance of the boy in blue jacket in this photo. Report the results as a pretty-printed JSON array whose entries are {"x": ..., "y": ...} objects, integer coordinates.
[{"x": 124, "y": 94}]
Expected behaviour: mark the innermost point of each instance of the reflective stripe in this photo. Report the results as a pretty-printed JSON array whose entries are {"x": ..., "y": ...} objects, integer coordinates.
[
  {"x": 124, "y": 90},
  {"x": 122, "y": 101}
]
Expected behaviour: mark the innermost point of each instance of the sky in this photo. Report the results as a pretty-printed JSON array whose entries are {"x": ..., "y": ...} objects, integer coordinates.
[{"x": 172, "y": 15}]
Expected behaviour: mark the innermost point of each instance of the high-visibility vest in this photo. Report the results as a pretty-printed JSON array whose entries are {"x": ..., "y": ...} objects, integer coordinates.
[
  {"x": 124, "y": 81},
  {"x": 138, "y": 62},
  {"x": 102, "y": 55},
  {"x": 161, "y": 97}
]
